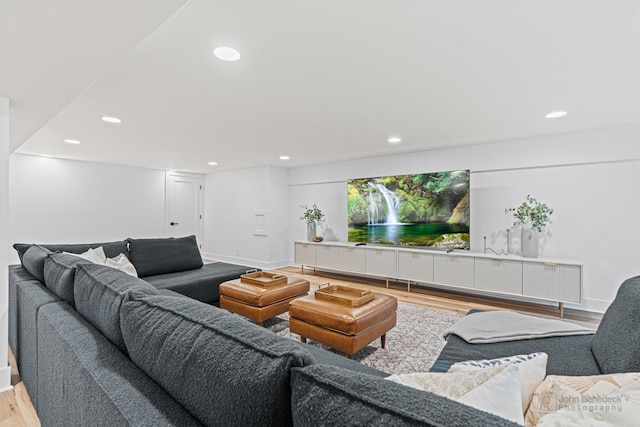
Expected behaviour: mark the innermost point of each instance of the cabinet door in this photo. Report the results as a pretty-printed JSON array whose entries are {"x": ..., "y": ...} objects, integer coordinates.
[
  {"x": 499, "y": 275},
  {"x": 548, "y": 280},
  {"x": 328, "y": 256},
  {"x": 453, "y": 270},
  {"x": 352, "y": 259},
  {"x": 415, "y": 266},
  {"x": 381, "y": 262},
  {"x": 305, "y": 254}
]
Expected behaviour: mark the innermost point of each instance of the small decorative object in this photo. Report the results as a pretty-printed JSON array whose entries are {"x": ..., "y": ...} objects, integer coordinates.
[
  {"x": 533, "y": 216},
  {"x": 312, "y": 216},
  {"x": 318, "y": 239}
]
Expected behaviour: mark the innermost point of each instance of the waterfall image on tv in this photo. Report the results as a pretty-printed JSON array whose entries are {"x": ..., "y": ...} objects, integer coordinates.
[{"x": 430, "y": 209}]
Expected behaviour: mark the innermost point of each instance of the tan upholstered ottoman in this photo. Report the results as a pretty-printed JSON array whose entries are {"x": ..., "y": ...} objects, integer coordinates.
[
  {"x": 260, "y": 303},
  {"x": 347, "y": 329}
]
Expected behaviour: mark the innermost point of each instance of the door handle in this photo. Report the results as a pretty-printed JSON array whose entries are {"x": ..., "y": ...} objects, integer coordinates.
[{"x": 173, "y": 223}]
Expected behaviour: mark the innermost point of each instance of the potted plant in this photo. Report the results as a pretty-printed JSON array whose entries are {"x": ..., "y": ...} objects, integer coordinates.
[
  {"x": 533, "y": 216},
  {"x": 312, "y": 216}
]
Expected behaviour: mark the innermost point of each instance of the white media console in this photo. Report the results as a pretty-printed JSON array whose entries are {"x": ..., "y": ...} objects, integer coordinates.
[{"x": 546, "y": 279}]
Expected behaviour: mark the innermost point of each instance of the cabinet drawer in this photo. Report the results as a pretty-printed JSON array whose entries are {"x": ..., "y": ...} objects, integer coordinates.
[
  {"x": 499, "y": 275},
  {"x": 305, "y": 254},
  {"x": 352, "y": 259},
  {"x": 415, "y": 266},
  {"x": 381, "y": 262},
  {"x": 453, "y": 270},
  {"x": 557, "y": 282},
  {"x": 328, "y": 256}
]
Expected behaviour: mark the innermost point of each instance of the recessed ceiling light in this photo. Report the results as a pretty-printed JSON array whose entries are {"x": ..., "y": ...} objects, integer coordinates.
[
  {"x": 394, "y": 140},
  {"x": 72, "y": 141},
  {"x": 556, "y": 114},
  {"x": 111, "y": 119},
  {"x": 284, "y": 157},
  {"x": 213, "y": 163},
  {"x": 226, "y": 53}
]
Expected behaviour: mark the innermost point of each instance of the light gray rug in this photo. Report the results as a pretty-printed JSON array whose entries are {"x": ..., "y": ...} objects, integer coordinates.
[{"x": 412, "y": 346}]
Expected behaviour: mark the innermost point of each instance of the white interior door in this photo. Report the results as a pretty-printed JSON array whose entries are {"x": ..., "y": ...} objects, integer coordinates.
[{"x": 184, "y": 205}]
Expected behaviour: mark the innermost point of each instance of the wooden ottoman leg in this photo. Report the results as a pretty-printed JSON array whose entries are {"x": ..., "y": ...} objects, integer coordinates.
[
  {"x": 303, "y": 339},
  {"x": 383, "y": 340}
]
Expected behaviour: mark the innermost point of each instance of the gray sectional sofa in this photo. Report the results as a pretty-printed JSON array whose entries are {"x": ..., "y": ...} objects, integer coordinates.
[{"x": 96, "y": 346}]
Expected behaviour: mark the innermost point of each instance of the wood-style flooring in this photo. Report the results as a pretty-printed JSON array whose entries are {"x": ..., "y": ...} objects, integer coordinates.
[{"x": 16, "y": 408}]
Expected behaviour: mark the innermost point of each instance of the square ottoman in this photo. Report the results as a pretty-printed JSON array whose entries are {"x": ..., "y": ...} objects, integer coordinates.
[
  {"x": 260, "y": 303},
  {"x": 346, "y": 329}
]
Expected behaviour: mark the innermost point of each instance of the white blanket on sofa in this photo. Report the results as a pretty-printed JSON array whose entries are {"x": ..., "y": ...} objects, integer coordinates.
[{"x": 498, "y": 326}]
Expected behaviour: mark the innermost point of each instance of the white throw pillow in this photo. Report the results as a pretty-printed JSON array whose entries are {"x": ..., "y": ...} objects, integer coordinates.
[
  {"x": 598, "y": 400},
  {"x": 121, "y": 262},
  {"x": 495, "y": 389},
  {"x": 96, "y": 256},
  {"x": 532, "y": 369}
]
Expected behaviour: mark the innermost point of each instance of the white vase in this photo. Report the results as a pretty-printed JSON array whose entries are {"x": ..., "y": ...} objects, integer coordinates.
[
  {"x": 529, "y": 242},
  {"x": 311, "y": 231}
]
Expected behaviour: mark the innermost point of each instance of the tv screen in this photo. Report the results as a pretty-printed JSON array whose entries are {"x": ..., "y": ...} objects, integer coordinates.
[{"x": 429, "y": 209}]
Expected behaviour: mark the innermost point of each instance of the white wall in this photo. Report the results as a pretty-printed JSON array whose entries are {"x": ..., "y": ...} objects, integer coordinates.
[
  {"x": 5, "y": 370},
  {"x": 231, "y": 200},
  {"x": 65, "y": 201},
  {"x": 589, "y": 178}
]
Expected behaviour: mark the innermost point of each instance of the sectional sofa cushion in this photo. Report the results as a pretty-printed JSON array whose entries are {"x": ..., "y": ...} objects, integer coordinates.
[
  {"x": 111, "y": 249},
  {"x": 222, "y": 368},
  {"x": 160, "y": 256},
  {"x": 342, "y": 397},
  {"x": 99, "y": 292},
  {"x": 60, "y": 272},
  {"x": 33, "y": 261},
  {"x": 616, "y": 344},
  {"x": 201, "y": 284}
]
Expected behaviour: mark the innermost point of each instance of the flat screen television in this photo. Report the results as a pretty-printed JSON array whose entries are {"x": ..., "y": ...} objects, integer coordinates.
[{"x": 428, "y": 209}]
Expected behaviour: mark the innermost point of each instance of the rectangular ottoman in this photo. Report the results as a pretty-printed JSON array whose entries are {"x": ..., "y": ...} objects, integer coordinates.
[
  {"x": 347, "y": 329},
  {"x": 260, "y": 303}
]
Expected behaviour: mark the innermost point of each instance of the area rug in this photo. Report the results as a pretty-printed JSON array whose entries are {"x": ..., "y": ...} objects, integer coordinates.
[{"x": 412, "y": 346}]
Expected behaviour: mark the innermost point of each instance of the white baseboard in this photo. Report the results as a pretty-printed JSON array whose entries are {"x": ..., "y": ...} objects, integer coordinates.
[
  {"x": 246, "y": 261},
  {"x": 5, "y": 379},
  {"x": 594, "y": 305}
]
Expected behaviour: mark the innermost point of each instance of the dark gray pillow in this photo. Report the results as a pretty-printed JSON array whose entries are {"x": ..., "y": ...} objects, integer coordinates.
[
  {"x": 111, "y": 249},
  {"x": 60, "y": 273},
  {"x": 33, "y": 261},
  {"x": 222, "y": 368},
  {"x": 332, "y": 396},
  {"x": 616, "y": 343},
  {"x": 161, "y": 256},
  {"x": 99, "y": 292}
]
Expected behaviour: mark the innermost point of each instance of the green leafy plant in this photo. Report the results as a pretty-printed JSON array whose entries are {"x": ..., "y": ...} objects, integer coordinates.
[
  {"x": 531, "y": 211},
  {"x": 311, "y": 215}
]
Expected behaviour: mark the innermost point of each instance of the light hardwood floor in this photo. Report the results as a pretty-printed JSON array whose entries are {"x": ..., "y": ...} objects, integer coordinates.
[{"x": 16, "y": 408}]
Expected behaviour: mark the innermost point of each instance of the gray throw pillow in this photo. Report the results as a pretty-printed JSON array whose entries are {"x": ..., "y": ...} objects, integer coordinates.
[
  {"x": 99, "y": 292},
  {"x": 616, "y": 343},
  {"x": 60, "y": 274},
  {"x": 111, "y": 249},
  {"x": 33, "y": 261},
  {"x": 222, "y": 368},
  {"x": 161, "y": 256}
]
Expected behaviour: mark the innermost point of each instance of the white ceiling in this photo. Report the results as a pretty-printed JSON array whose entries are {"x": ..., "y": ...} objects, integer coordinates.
[{"x": 320, "y": 81}]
